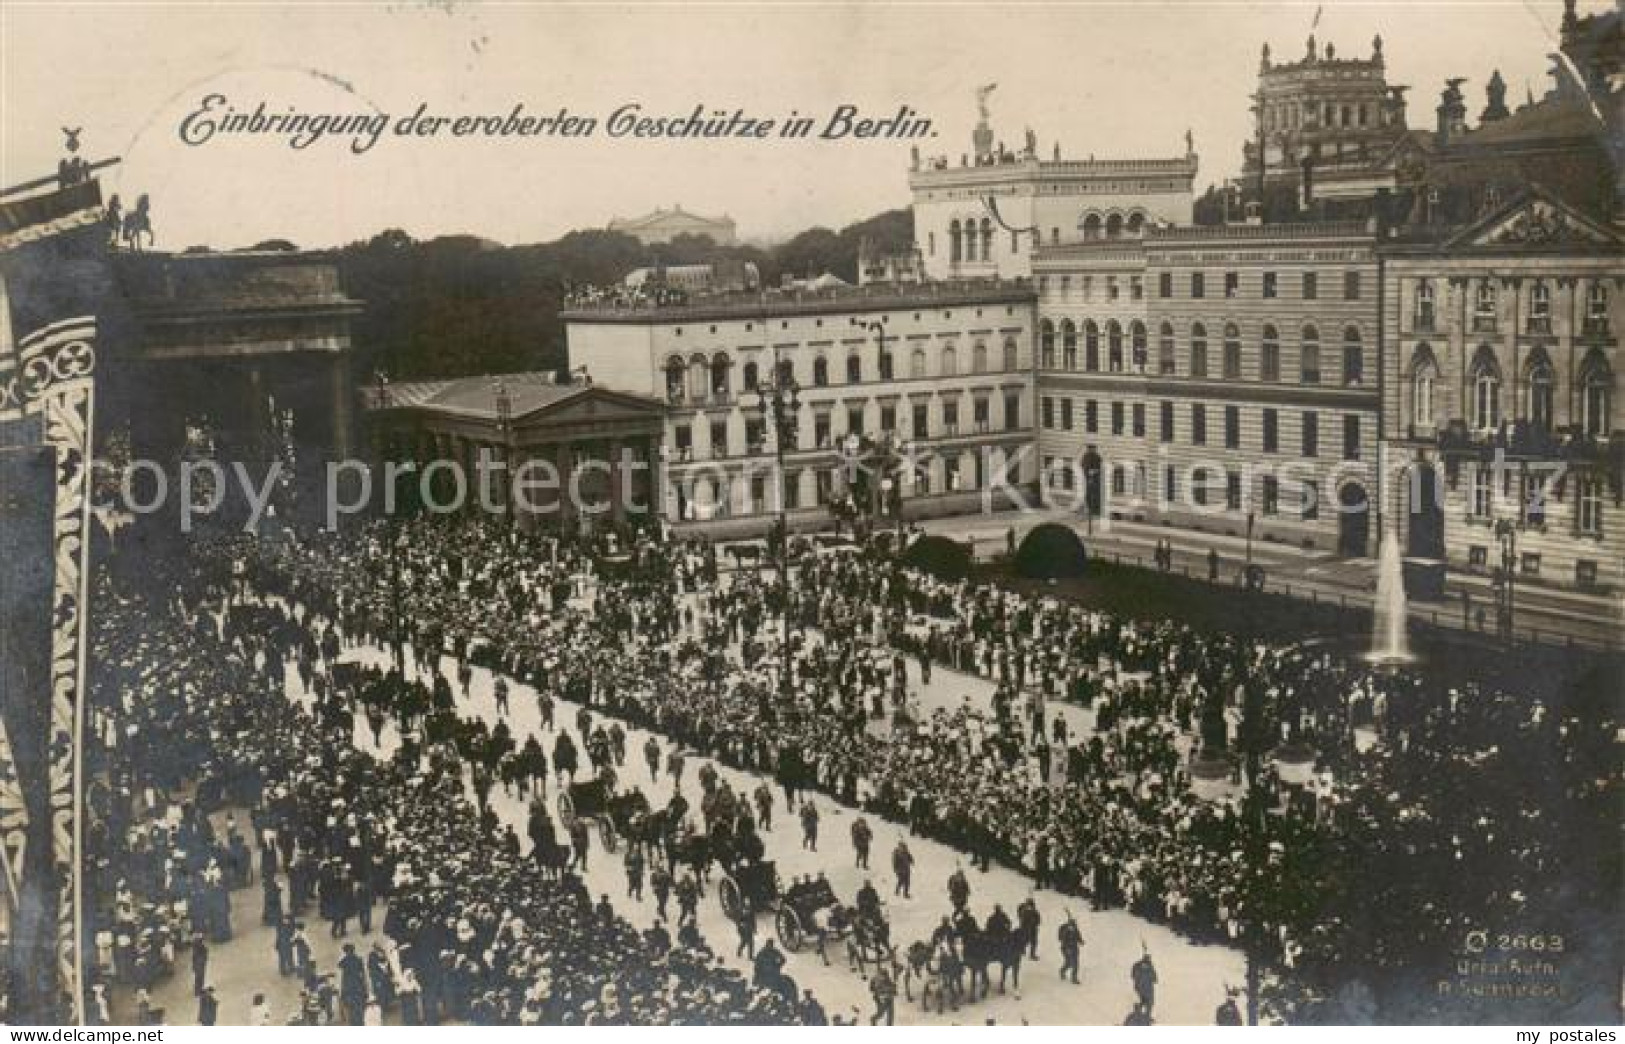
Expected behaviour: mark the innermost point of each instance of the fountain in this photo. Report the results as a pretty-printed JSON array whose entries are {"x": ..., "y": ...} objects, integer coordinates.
[{"x": 1389, "y": 644}]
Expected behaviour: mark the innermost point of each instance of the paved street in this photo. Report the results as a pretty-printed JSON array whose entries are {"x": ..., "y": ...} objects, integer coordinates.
[{"x": 1192, "y": 977}]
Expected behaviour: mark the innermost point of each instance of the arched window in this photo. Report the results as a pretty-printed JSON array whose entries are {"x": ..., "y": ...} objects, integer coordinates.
[
  {"x": 676, "y": 369},
  {"x": 1424, "y": 377},
  {"x": 1136, "y": 224},
  {"x": 1425, "y": 309},
  {"x": 1046, "y": 344},
  {"x": 955, "y": 251},
  {"x": 1165, "y": 349},
  {"x": 987, "y": 240},
  {"x": 1114, "y": 226},
  {"x": 787, "y": 373},
  {"x": 1540, "y": 307},
  {"x": 1484, "y": 307},
  {"x": 1069, "y": 344},
  {"x": 1353, "y": 356},
  {"x": 1269, "y": 355},
  {"x": 1596, "y": 396},
  {"x": 1198, "y": 350},
  {"x": 1485, "y": 378},
  {"x": 1596, "y": 320},
  {"x": 820, "y": 372},
  {"x": 1309, "y": 355},
  {"x": 885, "y": 364},
  {"x": 720, "y": 384},
  {"x": 970, "y": 240},
  {"x": 1091, "y": 225},
  {"x": 699, "y": 377},
  {"x": 1091, "y": 346},
  {"x": 1011, "y": 355},
  {"x": 978, "y": 357},
  {"x": 1540, "y": 381},
  {"x": 916, "y": 363},
  {"x": 749, "y": 376},
  {"x": 854, "y": 369},
  {"x": 1232, "y": 351},
  {"x": 1114, "y": 346},
  {"x": 950, "y": 360},
  {"x": 1136, "y": 333}
]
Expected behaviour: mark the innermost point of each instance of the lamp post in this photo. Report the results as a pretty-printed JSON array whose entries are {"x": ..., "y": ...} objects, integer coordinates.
[
  {"x": 505, "y": 430},
  {"x": 779, "y": 401},
  {"x": 878, "y": 328},
  {"x": 1507, "y": 533}
]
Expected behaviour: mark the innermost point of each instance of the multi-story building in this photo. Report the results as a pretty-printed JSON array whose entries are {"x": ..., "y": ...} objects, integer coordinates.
[
  {"x": 663, "y": 226},
  {"x": 1240, "y": 382},
  {"x": 940, "y": 376},
  {"x": 985, "y": 220}
]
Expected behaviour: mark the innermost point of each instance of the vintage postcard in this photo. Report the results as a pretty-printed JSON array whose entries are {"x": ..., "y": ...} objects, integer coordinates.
[{"x": 812, "y": 514}]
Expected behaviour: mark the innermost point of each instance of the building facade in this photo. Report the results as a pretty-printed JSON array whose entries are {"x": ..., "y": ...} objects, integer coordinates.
[
  {"x": 937, "y": 378},
  {"x": 663, "y": 226},
  {"x": 1503, "y": 412},
  {"x": 986, "y": 220},
  {"x": 1223, "y": 378}
]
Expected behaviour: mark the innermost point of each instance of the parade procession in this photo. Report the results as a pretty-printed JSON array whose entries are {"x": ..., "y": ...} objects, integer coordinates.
[{"x": 452, "y": 621}]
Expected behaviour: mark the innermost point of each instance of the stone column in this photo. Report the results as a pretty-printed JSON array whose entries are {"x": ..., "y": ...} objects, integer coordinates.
[
  {"x": 339, "y": 384},
  {"x": 617, "y": 474}
]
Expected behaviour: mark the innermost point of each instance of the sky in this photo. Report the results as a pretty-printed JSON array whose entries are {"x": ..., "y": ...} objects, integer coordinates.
[{"x": 1110, "y": 80}]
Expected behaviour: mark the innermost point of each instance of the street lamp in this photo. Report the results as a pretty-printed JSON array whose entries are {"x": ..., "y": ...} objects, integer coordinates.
[
  {"x": 878, "y": 328},
  {"x": 779, "y": 400},
  {"x": 1507, "y": 533}
]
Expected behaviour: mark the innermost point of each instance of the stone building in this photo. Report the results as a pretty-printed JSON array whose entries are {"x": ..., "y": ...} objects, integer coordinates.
[
  {"x": 663, "y": 226},
  {"x": 935, "y": 379},
  {"x": 1212, "y": 374}
]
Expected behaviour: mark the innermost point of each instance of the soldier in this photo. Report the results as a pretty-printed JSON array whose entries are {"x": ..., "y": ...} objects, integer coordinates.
[
  {"x": 764, "y": 807},
  {"x": 651, "y": 755},
  {"x": 768, "y": 966},
  {"x": 958, "y": 888},
  {"x": 809, "y": 826},
  {"x": 884, "y": 991},
  {"x": 1144, "y": 974},
  {"x": 902, "y": 864},
  {"x": 1071, "y": 940},
  {"x": 688, "y": 899},
  {"x": 1228, "y": 1014},
  {"x": 1028, "y": 920},
  {"x": 745, "y": 922},
  {"x": 660, "y": 881},
  {"x": 861, "y": 836},
  {"x": 812, "y": 1012},
  {"x": 634, "y": 872}
]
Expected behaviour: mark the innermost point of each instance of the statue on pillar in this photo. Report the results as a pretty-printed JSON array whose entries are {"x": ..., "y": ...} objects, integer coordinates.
[{"x": 72, "y": 168}]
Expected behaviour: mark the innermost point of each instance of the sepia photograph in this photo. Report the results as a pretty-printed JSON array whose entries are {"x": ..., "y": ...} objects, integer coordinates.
[{"x": 812, "y": 514}]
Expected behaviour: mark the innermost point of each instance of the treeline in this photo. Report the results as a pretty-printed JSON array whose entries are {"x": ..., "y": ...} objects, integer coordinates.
[{"x": 460, "y": 305}]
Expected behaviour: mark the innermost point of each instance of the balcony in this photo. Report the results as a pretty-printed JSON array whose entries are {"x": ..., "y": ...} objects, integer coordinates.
[
  {"x": 1538, "y": 326},
  {"x": 1595, "y": 326}
]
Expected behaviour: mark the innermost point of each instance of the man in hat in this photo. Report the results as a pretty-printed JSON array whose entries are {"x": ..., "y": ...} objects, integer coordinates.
[
  {"x": 1028, "y": 920},
  {"x": 884, "y": 992},
  {"x": 1071, "y": 939},
  {"x": 809, "y": 826},
  {"x": 862, "y": 835},
  {"x": 1144, "y": 975},
  {"x": 902, "y": 864},
  {"x": 352, "y": 985}
]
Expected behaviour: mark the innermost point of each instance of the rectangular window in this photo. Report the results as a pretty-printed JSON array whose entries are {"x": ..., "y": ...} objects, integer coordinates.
[
  {"x": 1232, "y": 284},
  {"x": 1232, "y": 427},
  {"x": 719, "y": 438},
  {"x": 1117, "y": 418},
  {"x": 1199, "y": 486},
  {"x": 950, "y": 418},
  {"x": 1272, "y": 431},
  {"x": 981, "y": 414},
  {"x": 920, "y": 412},
  {"x": 1047, "y": 406},
  {"x": 1311, "y": 286},
  {"x": 821, "y": 431},
  {"x": 1311, "y": 434},
  {"x": 1269, "y": 285},
  {"x": 1272, "y": 495},
  {"x": 1165, "y": 285},
  {"x": 684, "y": 438},
  {"x": 1139, "y": 418},
  {"x": 888, "y": 418},
  {"x": 1351, "y": 437},
  {"x": 1112, "y": 290},
  {"x": 755, "y": 435},
  {"x": 1529, "y": 564},
  {"x": 1170, "y": 484},
  {"x": 1167, "y": 426},
  {"x": 792, "y": 490},
  {"x": 854, "y": 420},
  {"x": 1589, "y": 507},
  {"x": 824, "y": 481},
  {"x": 1232, "y": 490},
  {"x": 1351, "y": 286},
  {"x": 1012, "y": 412},
  {"x": 758, "y": 493},
  {"x": 1311, "y": 500},
  {"x": 1198, "y": 285},
  {"x": 1091, "y": 416},
  {"x": 1483, "y": 494},
  {"x": 1136, "y": 288},
  {"x": 1066, "y": 413},
  {"x": 1198, "y": 424}
]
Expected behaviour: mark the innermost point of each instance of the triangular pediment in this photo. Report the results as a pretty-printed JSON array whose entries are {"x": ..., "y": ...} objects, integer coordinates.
[
  {"x": 1535, "y": 219},
  {"x": 594, "y": 404}
]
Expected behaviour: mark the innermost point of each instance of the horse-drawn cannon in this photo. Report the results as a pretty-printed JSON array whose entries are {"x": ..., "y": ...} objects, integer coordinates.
[
  {"x": 794, "y": 910},
  {"x": 596, "y": 800}
]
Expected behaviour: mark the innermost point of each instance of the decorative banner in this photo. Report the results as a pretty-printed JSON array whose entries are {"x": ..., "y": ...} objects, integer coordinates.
[{"x": 51, "y": 377}]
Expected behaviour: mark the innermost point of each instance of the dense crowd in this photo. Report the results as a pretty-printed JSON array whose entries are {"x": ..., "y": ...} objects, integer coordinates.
[{"x": 1334, "y": 782}]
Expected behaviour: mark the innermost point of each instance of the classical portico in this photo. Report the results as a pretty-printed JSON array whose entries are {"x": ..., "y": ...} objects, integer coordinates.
[{"x": 554, "y": 454}]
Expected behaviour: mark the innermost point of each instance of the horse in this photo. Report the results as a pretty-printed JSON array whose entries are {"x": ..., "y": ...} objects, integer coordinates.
[
  {"x": 982, "y": 948},
  {"x": 137, "y": 223},
  {"x": 868, "y": 945},
  {"x": 937, "y": 968}
]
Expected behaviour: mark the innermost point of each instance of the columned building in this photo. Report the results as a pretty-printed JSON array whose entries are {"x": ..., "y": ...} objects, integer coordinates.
[
  {"x": 585, "y": 455},
  {"x": 935, "y": 380}
]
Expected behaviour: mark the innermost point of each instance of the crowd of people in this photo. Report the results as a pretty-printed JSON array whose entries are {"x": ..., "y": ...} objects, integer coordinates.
[{"x": 1336, "y": 781}]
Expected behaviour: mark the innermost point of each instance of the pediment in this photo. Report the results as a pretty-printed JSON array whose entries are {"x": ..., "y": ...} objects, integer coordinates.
[{"x": 1536, "y": 220}]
